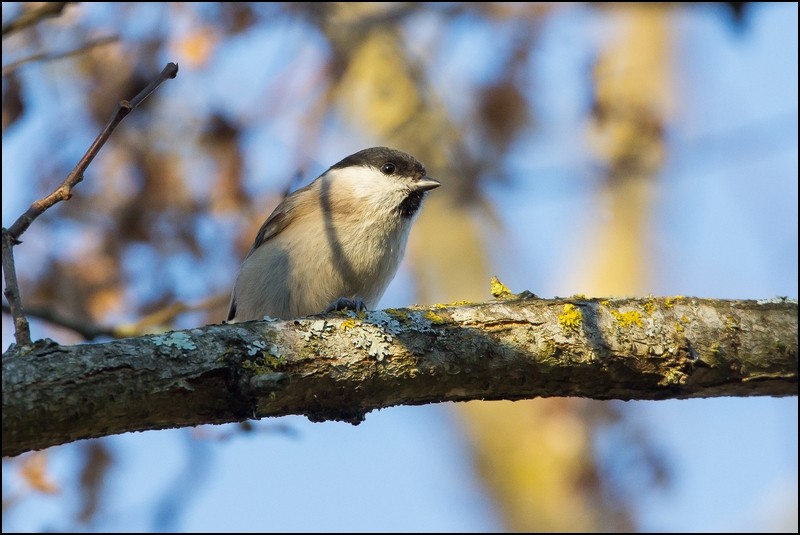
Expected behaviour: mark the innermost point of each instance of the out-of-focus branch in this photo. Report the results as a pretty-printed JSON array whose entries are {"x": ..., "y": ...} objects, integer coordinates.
[
  {"x": 339, "y": 367},
  {"x": 158, "y": 320},
  {"x": 33, "y": 15},
  {"x": 62, "y": 193},
  {"x": 52, "y": 56},
  {"x": 163, "y": 317},
  {"x": 89, "y": 331}
]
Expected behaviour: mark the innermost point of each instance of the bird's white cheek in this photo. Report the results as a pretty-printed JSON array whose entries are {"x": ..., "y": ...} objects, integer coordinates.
[
  {"x": 361, "y": 181},
  {"x": 369, "y": 186}
]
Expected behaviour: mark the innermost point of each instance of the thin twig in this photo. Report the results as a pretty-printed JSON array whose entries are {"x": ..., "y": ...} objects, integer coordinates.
[
  {"x": 22, "y": 330},
  {"x": 62, "y": 193},
  {"x": 34, "y": 15},
  {"x": 52, "y": 56}
]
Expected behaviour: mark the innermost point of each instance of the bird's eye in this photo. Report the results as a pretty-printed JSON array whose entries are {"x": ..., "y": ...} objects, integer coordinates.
[{"x": 388, "y": 168}]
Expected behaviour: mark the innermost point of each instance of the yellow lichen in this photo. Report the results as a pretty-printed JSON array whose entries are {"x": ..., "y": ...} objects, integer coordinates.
[
  {"x": 400, "y": 315},
  {"x": 498, "y": 289},
  {"x": 679, "y": 328},
  {"x": 264, "y": 363},
  {"x": 273, "y": 361},
  {"x": 441, "y": 306},
  {"x": 348, "y": 324},
  {"x": 628, "y": 319},
  {"x": 604, "y": 302},
  {"x": 571, "y": 319},
  {"x": 649, "y": 306},
  {"x": 434, "y": 318},
  {"x": 669, "y": 302},
  {"x": 673, "y": 378}
]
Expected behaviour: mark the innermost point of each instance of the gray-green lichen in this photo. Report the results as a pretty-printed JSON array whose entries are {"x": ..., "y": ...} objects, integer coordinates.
[
  {"x": 778, "y": 299},
  {"x": 383, "y": 320},
  {"x": 376, "y": 344},
  {"x": 177, "y": 340},
  {"x": 316, "y": 329},
  {"x": 392, "y": 319},
  {"x": 256, "y": 347},
  {"x": 263, "y": 357},
  {"x": 375, "y": 333}
]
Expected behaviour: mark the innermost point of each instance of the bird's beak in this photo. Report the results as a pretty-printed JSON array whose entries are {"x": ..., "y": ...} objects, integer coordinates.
[{"x": 426, "y": 183}]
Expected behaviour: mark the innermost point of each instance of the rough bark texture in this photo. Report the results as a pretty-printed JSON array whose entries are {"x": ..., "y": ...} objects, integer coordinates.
[{"x": 340, "y": 367}]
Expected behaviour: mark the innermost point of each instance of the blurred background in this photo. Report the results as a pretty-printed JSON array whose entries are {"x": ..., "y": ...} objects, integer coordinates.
[{"x": 584, "y": 148}]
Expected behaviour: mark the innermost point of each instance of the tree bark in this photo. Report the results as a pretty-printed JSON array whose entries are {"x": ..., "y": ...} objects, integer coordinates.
[{"x": 340, "y": 367}]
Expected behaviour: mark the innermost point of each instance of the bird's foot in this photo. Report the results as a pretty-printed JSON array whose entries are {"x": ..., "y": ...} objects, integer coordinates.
[{"x": 345, "y": 303}]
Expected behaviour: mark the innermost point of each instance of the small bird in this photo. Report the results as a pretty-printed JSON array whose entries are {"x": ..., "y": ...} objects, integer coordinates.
[{"x": 335, "y": 243}]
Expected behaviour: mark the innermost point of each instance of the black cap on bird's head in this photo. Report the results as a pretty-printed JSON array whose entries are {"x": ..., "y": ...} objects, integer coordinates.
[
  {"x": 398, "y": 164},
  {"x": 391, "y": 162}
]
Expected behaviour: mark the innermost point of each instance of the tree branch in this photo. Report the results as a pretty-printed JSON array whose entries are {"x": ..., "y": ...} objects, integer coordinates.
[
  {"x": 34, "y": 15},
  {"x": 337, "y": 367},
  {"x": 52, "y": 56},
  {"x": 64, "y": 191},
  {"x": 10, "y": 237},
  {"x": 153, "y": 322},
  {"x": 22, "y": 330},
  {"x": 87, "y": 330}
]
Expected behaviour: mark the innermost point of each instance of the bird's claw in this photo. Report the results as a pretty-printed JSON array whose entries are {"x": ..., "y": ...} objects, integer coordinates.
[{"x": 345, "y": 303}]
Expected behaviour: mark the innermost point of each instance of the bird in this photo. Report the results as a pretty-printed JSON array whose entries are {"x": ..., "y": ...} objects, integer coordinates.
[{"x": 335, "y": 243}]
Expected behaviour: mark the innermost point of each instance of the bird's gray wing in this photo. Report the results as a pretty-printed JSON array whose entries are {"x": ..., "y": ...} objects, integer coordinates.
[{"x": 278, "y": 220}]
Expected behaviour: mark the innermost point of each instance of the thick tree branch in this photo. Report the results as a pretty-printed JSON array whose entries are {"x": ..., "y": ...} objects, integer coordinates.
[{"x": 339, "y": 367}]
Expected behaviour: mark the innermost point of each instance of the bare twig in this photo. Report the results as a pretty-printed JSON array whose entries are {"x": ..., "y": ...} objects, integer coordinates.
[
  {"x": 34, "y": 15},
  {"x": 22, "y": 331},
  {"x": 62, "y": 193},
  {"x": 52, "y": 56}
]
